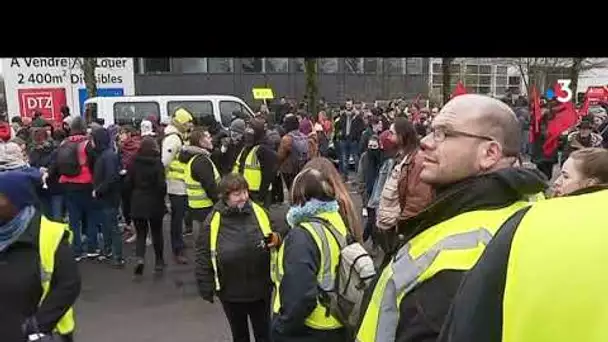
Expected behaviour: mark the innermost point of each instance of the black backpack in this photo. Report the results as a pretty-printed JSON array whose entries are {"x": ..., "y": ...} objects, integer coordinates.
[
  {"x": 67, "y": 158},
  {"x": 299, "y": 150}
]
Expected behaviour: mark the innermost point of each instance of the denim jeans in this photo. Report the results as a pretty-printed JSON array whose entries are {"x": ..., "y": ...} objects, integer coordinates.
[
  {"x": 179, "y": 204},
  {"x": 348, "y": 148},
  {"x": 79, "y": 205},
  {"x": 106, "y": 216},
  {"x": 57, "y": 207}
]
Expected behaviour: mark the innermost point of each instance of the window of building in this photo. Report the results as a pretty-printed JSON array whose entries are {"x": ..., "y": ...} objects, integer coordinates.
[
  {"x": 500, "y": 91},
  {"x": 252, "y": 64},
  {"x": 131, "y": 113},
  {"x": 229, "y": 107},
  {"x": 328, "y": 65},
  {"x": 192, "y": 65},
  {"x": 136, "y": 67},
  {"x": 437, "y": 68},
  {"x": 472, "y": 69},
  {"x": 471, "y": 80},
  {"x": 455, "y": 69},
  {"x": 501, "y": 70},
  {"x": 353, "y": 65},
  {"x": 485, "y": 69},
  {"x": 394, "y": 66},
  {"x": 220, "y": 65},
  {"x": 485, "y": 80},
  {"x": 156, "y": 65},
  {"x": 514, "y": 81},
  {"x": 414, "y": 66},
  {"x": 198, "y": 109},
  {"x": 299, "y": 65},
  {"x": 277, "y": 65},
  {"x": 501, "y": 81},
  {"x": 437, "y": 79},
  {"x": 372, "y": 65},
  {"x": 484, "y": 90}
]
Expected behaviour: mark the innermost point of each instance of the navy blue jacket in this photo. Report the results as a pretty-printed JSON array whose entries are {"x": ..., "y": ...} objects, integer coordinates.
[{"x": 106, "y": 177}]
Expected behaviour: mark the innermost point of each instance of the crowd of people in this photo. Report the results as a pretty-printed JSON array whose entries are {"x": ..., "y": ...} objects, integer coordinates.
[{"x": 436, "y": 186}]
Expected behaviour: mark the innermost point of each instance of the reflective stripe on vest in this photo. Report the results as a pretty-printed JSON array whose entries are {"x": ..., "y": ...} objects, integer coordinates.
[
  {"x": 264, "y": 225},
  {"x": 252, "y": 171},
  {"x": 197, "y": 196},
  {"x": 555, "y": 287},
  {"x": 455, "y": 244},
  {"x": 51, "y": 234},
  {"x": 329, "y": 252}
]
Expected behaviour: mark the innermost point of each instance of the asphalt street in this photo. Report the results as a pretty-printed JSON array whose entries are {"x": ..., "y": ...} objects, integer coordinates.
[{"x": 112, "y": 307}]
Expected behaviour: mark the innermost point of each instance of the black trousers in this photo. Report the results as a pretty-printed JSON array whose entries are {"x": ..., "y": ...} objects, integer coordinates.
[
  {"x": 277, "y": 190},
  {"x": 259, "y": 314},
  {"x": 155, "y": 225},
  {"x": 289, "y": 178}
]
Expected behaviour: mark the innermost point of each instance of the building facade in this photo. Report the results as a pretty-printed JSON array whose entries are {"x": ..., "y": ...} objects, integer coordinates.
[{"x": 359, "y": 78}]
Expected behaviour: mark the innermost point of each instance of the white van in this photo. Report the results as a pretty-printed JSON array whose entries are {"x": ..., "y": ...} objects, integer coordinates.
[{"x": 132, "y": 109}]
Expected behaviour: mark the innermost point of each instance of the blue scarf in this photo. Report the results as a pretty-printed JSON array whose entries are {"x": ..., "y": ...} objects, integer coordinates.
[
  {"x": 314, "y": 207},
  {"x": 12, "y": 230}
]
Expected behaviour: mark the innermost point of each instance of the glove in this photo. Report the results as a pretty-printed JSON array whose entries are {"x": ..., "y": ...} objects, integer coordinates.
[{"x": 273, "y": 240}]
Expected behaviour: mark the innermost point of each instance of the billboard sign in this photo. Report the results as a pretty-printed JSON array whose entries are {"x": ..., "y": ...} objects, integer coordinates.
[{"x": 42, "y": 76}]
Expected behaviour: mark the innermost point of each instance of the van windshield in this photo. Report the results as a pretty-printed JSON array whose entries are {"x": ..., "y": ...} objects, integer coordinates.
[
  {"x": 198, "y": 109},
  {"x": 132, "y": 113}
]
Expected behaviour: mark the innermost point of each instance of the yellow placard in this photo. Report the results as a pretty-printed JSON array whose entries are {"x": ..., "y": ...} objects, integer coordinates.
[{"x": 262, "y": 93}]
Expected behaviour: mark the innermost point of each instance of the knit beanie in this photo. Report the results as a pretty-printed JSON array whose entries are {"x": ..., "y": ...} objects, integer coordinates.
[{"x": 18, "y": 187}]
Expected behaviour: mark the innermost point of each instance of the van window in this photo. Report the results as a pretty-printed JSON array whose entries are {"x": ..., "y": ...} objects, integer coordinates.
[
  {"x": 198, "y": 109},
  {"x": 90, "y": 112},
  {"x": 227, "y": 108},
  {"x": 132, "y": 113}
]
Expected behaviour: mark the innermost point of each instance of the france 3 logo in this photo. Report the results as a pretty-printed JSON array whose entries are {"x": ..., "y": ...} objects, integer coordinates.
[{"x": 561, "y": 92}]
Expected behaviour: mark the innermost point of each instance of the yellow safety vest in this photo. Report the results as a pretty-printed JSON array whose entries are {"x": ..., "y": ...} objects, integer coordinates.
[
  {"x": 329, "y": 250},
  {"x": 455, "y": 244},
  {"x": 176, "y": 169},
  {"x": 264, "y": 224},
  {"x": 197, "y": 196},
  {"x": 252, "y": 170},
  {"x": 555, "y": 289},
  {"x": 51, "y": 234}
]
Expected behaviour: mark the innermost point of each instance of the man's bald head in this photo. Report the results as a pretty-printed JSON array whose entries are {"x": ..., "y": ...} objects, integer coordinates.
[{"x": 490, "y": 117}]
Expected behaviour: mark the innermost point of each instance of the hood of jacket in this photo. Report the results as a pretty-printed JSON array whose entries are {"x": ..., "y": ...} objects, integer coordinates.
[
  {"x": 187, "y": 152},
  {"x": 488, "y": 191},
  {"x": 101, "y": 138}
]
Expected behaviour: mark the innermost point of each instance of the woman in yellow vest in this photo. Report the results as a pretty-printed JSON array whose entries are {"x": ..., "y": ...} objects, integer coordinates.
[
  {"x": 233, "y": 259},
  {"x": 34, "y": 253},
  {"x": 307, "y": 263},
  {"x": 200, "y": 174}
]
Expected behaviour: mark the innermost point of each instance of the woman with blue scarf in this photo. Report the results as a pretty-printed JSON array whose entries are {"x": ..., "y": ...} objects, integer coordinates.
[
  {"x": 313, "y": 217},
  {"x": 35, "y": 263}
]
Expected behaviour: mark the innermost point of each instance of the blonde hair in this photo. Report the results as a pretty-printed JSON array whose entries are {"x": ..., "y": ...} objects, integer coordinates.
[{"x": 328, "y": 171}]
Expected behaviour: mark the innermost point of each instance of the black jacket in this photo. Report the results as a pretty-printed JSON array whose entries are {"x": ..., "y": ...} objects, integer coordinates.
[
  {"x": 268, "y": 163},
  {"x": 44, "y": 156},
  {"x": 202, "y": 169},
  {"x": 356, "y": 129},
  {"x": 243, "y": 266},
  {"x": 146, "y": 183},
  {"x": 423, "y": 310},
  {"x": 225, "y": 161},
  {"x": 299, "y": 292},
  {"x": 106, "y": 177},
  {"x": 20, "y": 288}
]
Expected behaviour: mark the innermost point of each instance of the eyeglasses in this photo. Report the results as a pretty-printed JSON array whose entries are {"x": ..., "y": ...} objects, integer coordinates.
[{"x": 439, "y": 134}]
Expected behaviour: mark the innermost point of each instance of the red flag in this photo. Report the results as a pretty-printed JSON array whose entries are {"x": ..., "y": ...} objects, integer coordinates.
[
  {"x": 565, "y": 117},
  {"x": 459, "y": 90},
  {"x": 585, "y": 108},
  {"x": 535, "y": 114}
]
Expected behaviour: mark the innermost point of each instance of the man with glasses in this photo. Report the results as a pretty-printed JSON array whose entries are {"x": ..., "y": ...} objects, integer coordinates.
[{"x": 468, "y": 158}]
